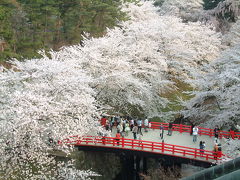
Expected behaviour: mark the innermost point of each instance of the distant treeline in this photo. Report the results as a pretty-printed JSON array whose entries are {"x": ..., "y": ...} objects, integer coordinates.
[{"x": 29, "y": 25}]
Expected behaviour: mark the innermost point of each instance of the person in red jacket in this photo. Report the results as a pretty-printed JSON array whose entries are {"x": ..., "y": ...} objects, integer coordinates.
[
  {"x": 118, "y": 136},
  {"x": 215, "y": 151},
  {"x": 103, "y": 121}
]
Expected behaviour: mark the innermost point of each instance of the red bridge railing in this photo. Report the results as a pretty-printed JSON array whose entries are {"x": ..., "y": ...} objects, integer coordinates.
[
  {"x": 147, "y": 146},
  {"x": 202, "y": 131}
]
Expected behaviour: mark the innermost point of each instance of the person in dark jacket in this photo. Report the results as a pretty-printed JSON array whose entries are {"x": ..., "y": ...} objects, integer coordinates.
[
  {"x": 191, "y": 130},
  {"x": 161, "y": 131},
  {"x": 170, "y": 125},
  {"x": 216, "y": 132},
  {"x": 134, "y": 131},
  {"x": 201, "y": 147}
]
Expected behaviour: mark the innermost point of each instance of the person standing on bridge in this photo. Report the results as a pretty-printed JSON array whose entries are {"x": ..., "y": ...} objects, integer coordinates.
[
  {"x": 170, "y": 125},
  {"x": 127, "y": 129},
  {"x": 124, "y": 124},
  {"x": 216, "y": 133},
  {"x": 119, "y": 127},
  {"x": 134, "y": 131},
  {"x": 204, "y": 145},
  {"x": 131, "y": 124},
  {"x": 195, "y": 133},
  {"x": 219, "y": 152},
  {"x": 215, "y": 151},
  {"x": 161, "y": 131},
  {"x": 111, "y": 124},
  {"x": 139, "y": 122},
  {"x": 103, "y": 121},
  {"x": 146, "y": 125},
  {"x": 118, "y": 136},
  {"x": 191, "y": 129},
  {"x": 107, "y": 127},
  {"x": 201, "y": 147}
]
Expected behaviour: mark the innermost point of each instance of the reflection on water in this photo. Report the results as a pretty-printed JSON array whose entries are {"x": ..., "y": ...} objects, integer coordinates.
[{"x": 108, "y": 165}]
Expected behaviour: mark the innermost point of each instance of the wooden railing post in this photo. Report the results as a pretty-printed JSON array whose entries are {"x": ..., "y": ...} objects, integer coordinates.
[
  {"x": 103, "y": 140},
  {"x": 211, "y": 132},
  {"x": 173, "y": 150},
  {"x": 219, "y": 155},
  {"x": 180, "y": 130},
  {"x": 195, "y": 153},
  {"x": 122, "y": 141},
  {"x": 132, "y": 144},
  {"x": 162, "y": 146},
  {"x": 152, "y": 146},
  {"x": 233, "y": 135}
]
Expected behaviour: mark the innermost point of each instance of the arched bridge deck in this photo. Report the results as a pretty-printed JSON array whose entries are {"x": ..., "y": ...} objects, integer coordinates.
[{"x": 178, "y": 145}]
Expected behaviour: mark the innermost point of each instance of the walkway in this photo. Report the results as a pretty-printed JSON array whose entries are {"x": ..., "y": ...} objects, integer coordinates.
[{"x": 177, "y": 138}]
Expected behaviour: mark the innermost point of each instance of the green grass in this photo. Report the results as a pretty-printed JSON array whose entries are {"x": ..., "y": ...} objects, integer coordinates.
[{"x": 174, "y": 95}]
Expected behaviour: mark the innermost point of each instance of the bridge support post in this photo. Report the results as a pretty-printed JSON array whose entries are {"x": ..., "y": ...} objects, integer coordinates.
[
  {"x": 137, "y": 163},
  {"x": 128, "y": 166},
  {"x": 140, "y": 164},
  {"x": 144, "y": 165},
  {"x": 131, "y": 167}
]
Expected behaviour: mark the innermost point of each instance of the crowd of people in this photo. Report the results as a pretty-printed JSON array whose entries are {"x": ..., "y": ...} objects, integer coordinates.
[{"x": 125, "y": 125}]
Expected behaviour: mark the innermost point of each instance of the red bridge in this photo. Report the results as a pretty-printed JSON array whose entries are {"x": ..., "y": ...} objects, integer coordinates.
[{"x": 150, "y": 144}]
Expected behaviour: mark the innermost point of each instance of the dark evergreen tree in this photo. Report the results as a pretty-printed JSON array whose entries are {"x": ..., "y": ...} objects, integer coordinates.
[
  {"x": 29, "y": 25},
  {"x": 210, "y": 4}
]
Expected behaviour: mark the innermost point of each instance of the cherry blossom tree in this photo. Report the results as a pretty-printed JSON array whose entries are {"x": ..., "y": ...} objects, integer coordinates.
[
  {"x": 232, "y": 37},
  {"x": 228, "y": 6},
  {"x": 132, "y": 64},
  {"x": 220, "y": 85},
  {"x": 188, "y": 10},
  {"x": 41, "y": 99},
  {"x": 216, "y": 95},
  {"x": 223, "y": 16}
]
